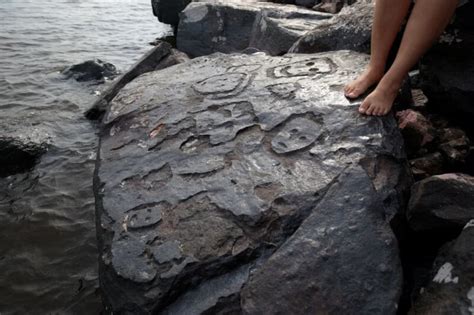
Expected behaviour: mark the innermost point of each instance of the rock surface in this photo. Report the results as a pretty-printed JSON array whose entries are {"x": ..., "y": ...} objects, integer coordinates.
[
  {"x": 442, "y": 201},
  {"x": 19, "y": 154},
  {"x": 167, "y": 11},
  {"x": 331, "y": 6},
  {"x": 161, "y": 56},
  {"x": 416, "y": 129},
  {"x": 350, "y": 29},
  {"x": 208, "y": 27},
  {"x": 229, "y": 180},
  {"x": 451, "y": 290},
  {"x": 91, "y": 70}
]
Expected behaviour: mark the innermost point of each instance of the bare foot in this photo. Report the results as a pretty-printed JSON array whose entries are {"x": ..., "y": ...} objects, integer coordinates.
[
  {"x": 379, "y": 102},
  {"x": 357, "y": 87}
]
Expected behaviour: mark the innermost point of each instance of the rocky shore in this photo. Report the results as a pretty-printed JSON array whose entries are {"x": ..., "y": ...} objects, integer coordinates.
[{"x": 240, "y": 180}]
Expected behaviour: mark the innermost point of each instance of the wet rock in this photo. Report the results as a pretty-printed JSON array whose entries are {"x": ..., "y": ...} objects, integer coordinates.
[
  {"x": 417, "y": 130},
  {"x": 91, "y": 70},
  {"x": 441, "y": 202},
  {"x": 350, "y": 29},
  {"x": 227, "y": 27},
  {"x": 19, "y": 155},
  {"x": 447, "y": 71},
  {"x": 451, "y": 289},
  {"x": 243, "y": 170},
  {"x": 427, "y": 165},
  {"x": 159, "y": 57}
]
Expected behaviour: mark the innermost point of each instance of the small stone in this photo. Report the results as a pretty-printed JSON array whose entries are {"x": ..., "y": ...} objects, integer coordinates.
[
  {"x": 416, "y": 129},
  {"x": 419, "y": 98}
]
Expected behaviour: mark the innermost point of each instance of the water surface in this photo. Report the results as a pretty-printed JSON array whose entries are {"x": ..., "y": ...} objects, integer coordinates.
[{"x": 48, "y": 255}]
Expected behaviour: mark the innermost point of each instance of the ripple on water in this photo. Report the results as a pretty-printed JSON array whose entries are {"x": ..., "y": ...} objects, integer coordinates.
[{"x": 48, "y": 256}]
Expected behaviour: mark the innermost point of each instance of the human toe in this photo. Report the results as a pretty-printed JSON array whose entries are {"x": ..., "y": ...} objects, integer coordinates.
[{"x": 363, "y": 107}]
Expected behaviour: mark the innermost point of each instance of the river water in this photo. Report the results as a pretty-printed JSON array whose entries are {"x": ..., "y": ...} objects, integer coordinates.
[{"x": 48, "y": 255}]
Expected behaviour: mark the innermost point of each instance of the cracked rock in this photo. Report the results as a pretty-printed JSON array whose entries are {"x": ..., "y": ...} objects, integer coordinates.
[
  {"x": 249, "y": 177},
  {"x": 206, "y": 27}
]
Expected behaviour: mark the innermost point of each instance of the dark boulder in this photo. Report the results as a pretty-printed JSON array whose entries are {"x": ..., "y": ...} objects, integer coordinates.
[
  {"x": 451, "y": 289},
  {"x": 427, "y": 165},
  {"x": 208, "y": 27},
  {"x": 350, "y": 29},
  {"x": 236, "y": 182},
  {"x": 91, "y": 70},
  {"x": 168, "y": 11},
  {"x": 441, "y": 202},
  {"x": 19, "y": 155}
]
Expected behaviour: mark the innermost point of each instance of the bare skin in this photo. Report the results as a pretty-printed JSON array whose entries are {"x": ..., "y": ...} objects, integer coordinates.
[
  {"x": 388, "y": 18},
  {"x": 425, "y": 24}
]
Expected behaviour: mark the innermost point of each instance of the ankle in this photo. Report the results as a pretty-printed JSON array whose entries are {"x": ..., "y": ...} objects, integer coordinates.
[
  {"x": 388, "y": 86},
  {"x": 375, "y": 71}
]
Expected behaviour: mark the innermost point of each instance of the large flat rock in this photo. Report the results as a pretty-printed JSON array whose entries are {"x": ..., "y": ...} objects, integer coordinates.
[
  {"x": 210, "y": 26},
  {"x": 247, "y": 184}
]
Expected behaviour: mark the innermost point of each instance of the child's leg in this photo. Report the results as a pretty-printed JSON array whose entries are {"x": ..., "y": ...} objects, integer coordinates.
[
  {"x": 427, "y": 21},
  {"x": 388, "y": 18}
]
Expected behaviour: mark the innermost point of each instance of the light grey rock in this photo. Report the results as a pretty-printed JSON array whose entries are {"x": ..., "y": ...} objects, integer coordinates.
[
  {"x": 207, "y": 27},
  {"x": 441, "y": 202},
  {"x": 350, "y": 29},
  {"x": 240, "y": 170},
  {"x": 451, "y": 290}
]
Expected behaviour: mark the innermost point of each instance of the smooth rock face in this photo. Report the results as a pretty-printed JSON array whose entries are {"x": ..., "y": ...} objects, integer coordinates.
[
  {"x": 442, "y": 201},
  {"x": 350, "y": 29},
  {"x": 230, "y": 180},
  {"x": 451, "y": 290},
  {"x": 207, "y": 27}
]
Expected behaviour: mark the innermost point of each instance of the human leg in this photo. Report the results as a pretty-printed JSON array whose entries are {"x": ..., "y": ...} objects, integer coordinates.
[
  {"x": 388, "y": 18},
  {"x": 425, "y": 24}
]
